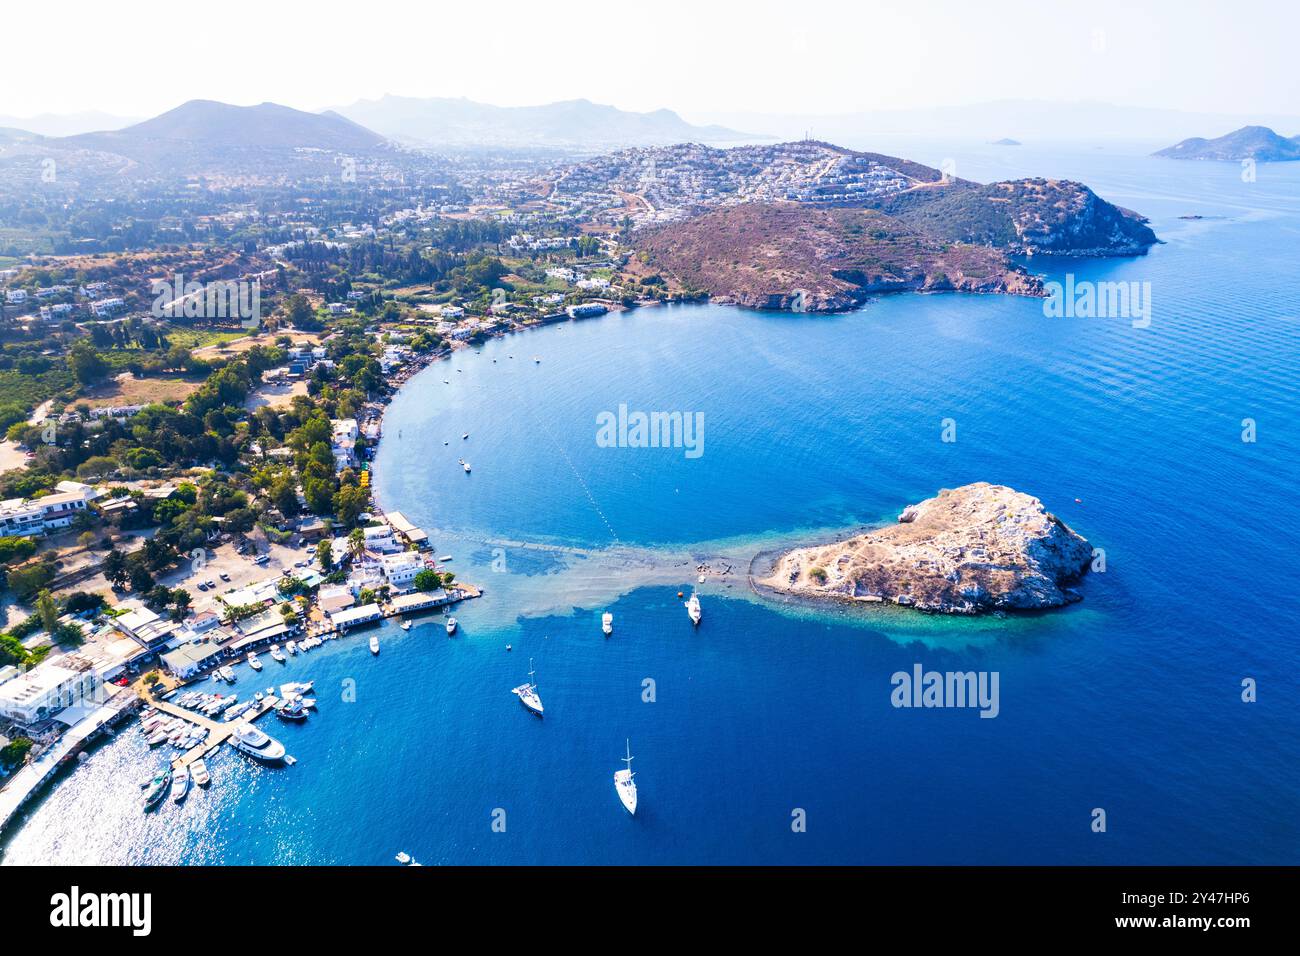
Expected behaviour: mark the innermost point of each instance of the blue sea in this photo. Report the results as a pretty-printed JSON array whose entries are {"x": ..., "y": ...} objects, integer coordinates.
[{"x": 768, "y": 715}]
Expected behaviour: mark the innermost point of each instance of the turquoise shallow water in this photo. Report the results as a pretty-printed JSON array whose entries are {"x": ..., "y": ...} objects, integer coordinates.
[{"x": 1129, "y": 701}]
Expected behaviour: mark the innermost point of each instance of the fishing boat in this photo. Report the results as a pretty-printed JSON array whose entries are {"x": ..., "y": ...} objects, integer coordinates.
[
  {"x": 451, "y": 626},
  {"x": 180, "y": 785},
  {"x": 199, "y": 771},
  {"x": 253, "y": 662},
  {"x": 374, "y": 644},
  {"x": 292, "y": 648},
  {"x": 277, "y": 654},
  {"x": 247, "y": 739},
  {"x": 157, "y": 788},
  {"x": 625, "y": 784},
  {"x": 527, "y": 693},
  {"x": 607, "y": 623},
  {"x": 693, "y": 608},
  {"x": 292, "y": 710}
]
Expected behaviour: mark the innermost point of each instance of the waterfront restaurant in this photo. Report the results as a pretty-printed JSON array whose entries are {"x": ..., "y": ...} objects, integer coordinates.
[
  {"x": 356, "y": 615},
  {"x": 44, "y": 691},
  {"x": 190, "y": 659}
]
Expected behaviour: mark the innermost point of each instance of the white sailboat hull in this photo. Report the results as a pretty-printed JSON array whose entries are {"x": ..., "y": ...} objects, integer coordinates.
[{"x": 626, "y": 788}]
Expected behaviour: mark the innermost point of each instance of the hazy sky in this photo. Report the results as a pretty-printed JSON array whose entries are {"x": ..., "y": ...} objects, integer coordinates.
[{"x": 809, "y": 56}]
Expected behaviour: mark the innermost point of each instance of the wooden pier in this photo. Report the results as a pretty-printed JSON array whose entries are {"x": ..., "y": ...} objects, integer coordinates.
[{"x": 218, "y": 731}]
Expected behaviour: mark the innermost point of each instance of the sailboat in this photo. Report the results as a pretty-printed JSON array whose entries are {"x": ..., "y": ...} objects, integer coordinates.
[
  {"x": 624, "y": 783},
  {"x": 527, "y": 693},
  {"x": 693, "y": 608}
]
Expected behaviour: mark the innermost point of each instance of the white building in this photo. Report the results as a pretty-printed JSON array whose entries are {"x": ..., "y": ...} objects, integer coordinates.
[
  {"x": 400, "y": 569},
  {"x": 344, "y": 442},
  {"x": 379, "y": 538},
  {"x": 27, "y": 517},
  {"x": 44, "y": 691}
]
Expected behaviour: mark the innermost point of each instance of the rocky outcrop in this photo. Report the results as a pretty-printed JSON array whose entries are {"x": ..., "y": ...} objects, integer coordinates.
[{"x": 968, "y": 550}]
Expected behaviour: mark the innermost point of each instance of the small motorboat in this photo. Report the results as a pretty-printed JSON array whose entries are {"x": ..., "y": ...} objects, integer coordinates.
[
  {"x": 451, "y": 626},
  {"x": 607, "y": 623},
  {"x": 253, "y": 662},
  {"x": 157, "y": 788},
  {"x": 405, "y": 625},
  {"x": 404, "y": 858},
  {"x": 292, "y": 648},
  {"x": 180, "y": 785},
  {"x": 276, "y": 654},
  {"x": 374, "y": 644},
  {"x": 199, "y": 771}
]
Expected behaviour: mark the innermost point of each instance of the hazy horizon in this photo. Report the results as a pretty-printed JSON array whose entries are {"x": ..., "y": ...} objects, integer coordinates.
[{"x": 1190, "y": 57}]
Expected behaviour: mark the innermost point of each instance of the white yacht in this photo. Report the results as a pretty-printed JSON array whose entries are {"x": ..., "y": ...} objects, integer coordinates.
[
  {"x": 405, "y": 625},
  {"x": 277, "y": 654},
  {"x": 624, "y": 783},
  {"x": 180, "y": 784},
  {"x": 374, "y": 644},
  {"x": 253, "y": 662},
  {"x": 292, "y": 648},
  {"x": 199, "y": 771},
  {"x": 249, "y": 740},
  {"x": 607, "y": 623},
  {"x": 693, "y": 608},
  {"x": 451, "y": 626},
  {"x": 465, "y": 465},
  {"x": 228, "y": 674},
  {"x": 527, "y": 693}
]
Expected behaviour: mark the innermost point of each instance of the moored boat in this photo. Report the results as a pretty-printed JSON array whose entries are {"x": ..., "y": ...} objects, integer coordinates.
[
  {"x": 157, "y": 788},
  {"x": 277, "y": 654},
  {"x": 180, "y": 784},
  {"x": 253, "y": 662},
  {"x": 693, "y": 608},
  {"x": 199, "y": 772},
  {"x": 247, "y": 739},
  {"x": 374, "y": 644},
  {"x": 607, "y": 623},
  {"x": 527, "y": 692},
  {"x": 625, "y": 784}
]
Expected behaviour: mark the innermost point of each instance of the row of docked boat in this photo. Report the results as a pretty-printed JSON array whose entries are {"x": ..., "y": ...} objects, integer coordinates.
[{"x": 160, "y": 729}]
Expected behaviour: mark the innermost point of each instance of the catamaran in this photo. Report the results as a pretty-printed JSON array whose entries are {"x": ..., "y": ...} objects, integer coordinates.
[
  {"x": 527, "y": 693},
  {"x": 693, "y": 608},
  {"x": 607, "y": 623},
  {"x": 624, "y": 783}
]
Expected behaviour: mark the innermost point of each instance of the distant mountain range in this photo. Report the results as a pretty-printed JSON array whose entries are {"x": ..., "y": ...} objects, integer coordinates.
[
  {"x": 1250, "y": 142},
  {"x": 210, "y": 124},
  {"x": 572, "y": 124},
  {"x": 66, "y": 124}
]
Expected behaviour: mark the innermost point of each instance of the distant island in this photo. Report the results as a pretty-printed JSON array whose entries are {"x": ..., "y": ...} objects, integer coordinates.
[
  {"x": 1005, "y": 141},
  {"x": 968, "y": 550},
  {"x": 1250, "y": 142}
]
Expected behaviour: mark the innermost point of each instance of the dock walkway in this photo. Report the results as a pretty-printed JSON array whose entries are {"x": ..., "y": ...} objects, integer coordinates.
[{"x": 219, "y": 731}]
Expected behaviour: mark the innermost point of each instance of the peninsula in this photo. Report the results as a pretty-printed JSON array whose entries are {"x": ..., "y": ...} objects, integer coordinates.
[
  {"x": 1250, "y": 142},
  {"x": 968, "y": 550}
]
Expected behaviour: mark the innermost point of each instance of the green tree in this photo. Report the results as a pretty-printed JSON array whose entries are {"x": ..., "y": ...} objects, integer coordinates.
[
  {"x": 428, "y": 580},
  {"x": 325, "y": 555},
  {"x": 87, "y": 365},
  {"x": 48, "y": 611}
]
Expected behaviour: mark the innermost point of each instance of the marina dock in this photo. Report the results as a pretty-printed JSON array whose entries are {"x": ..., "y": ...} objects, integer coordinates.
[{"x": 218, "y": 731}]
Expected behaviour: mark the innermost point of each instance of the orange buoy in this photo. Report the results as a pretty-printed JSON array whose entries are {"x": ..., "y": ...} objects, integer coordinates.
[{"x": 679, "y": 593}]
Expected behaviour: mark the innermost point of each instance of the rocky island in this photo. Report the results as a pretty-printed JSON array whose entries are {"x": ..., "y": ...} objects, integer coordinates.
[
  {"x": 1250, "y": 142},
  {"x": 968, "y": 550}
]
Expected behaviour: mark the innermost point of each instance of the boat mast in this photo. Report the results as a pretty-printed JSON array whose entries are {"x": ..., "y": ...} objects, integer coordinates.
[{"x": 628, "y": 759}]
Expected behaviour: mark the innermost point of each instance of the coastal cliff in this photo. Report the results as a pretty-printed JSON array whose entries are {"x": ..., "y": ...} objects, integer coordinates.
[{"x": 968, "y": 550}]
